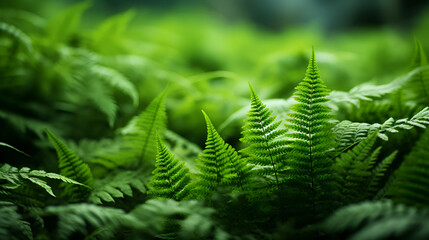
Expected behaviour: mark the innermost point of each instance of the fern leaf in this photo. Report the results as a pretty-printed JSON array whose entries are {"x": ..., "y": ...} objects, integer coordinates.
[
  {"x": 170, "y": 177},
  {"x": 219, "y": 164},
  {"x": 117, "y": 185},
  {"x": 17, "y": 35},
  {"x": 312, "y": 142},
  {"x": 14, "y": 148},
  {"x": 379, "y": 172},
  {"x": 74, "y": 168},
  {"x": 349, "y": 133},
  {"x": 412, "y": 177},
  {"x": 11, "y": 224},
  {"x": 354, "y": 168},
  {"x": 80, "y": 220},
  {"x": 139, "y": 140},
  {"x": 266, "y": 147},
  {"x": 377, "y": 220},
  {"x": 19, "y": 183},
  {"x": 420, "y": 82}
]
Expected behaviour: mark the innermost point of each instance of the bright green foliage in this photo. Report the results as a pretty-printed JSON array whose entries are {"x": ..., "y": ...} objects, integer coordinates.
[
  {"x": 354, "y": 169},
  {"x": 18, "y": 36},
  {"x": 139, "y": 141},
  {"x": 170, "y": 177},
  {"x": 11, "y": 224},
  {"x": 18, "y": 184},
  {"x": 310, "y": 162},
  {"x": 379, "y": 172},
  {"x": 377, "y": 220},
  {"x": 74, "y": 168},
  {"x": 420, "y": 81},
  {"x": 412, "y": 178},
  {"x": 266, "y": 148},
  {"x": 117, "y": 185}
]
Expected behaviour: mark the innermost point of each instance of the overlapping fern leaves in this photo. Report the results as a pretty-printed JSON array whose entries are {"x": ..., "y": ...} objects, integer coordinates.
[{"x": 170, "y": 177}]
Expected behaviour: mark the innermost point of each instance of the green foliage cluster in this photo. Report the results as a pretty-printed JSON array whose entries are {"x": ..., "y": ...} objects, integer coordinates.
[{"x": 306, "y": 162}]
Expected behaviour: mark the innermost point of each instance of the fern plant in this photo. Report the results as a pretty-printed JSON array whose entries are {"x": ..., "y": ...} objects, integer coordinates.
[
  {"x": 219, "y": 164},
  {"x": 310, "y": 162},
  {"x": 170, "y": 177},
  {"x": 266, "y": 147},
  {"x": 74, "y": 168}
]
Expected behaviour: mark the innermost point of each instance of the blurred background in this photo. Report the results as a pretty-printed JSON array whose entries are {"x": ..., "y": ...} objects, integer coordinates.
[{"x": 93, "y": 65}]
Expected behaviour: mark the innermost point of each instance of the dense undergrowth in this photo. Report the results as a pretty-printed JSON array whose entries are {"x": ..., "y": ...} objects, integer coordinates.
[{"x": 103, "y": 137}]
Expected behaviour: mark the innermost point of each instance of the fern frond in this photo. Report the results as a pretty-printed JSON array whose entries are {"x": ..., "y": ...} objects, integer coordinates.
[
  {"x": 11, "y": 224},
  {"x": 377, "y": 220},
  {"x": 310, "y": 161},
  {"x": 19, "y": 183},
  {"x": 379, "y": 172},
  {"x": 219, "y": 164},
  {"x": 266, "y": 148},
  {"x": 139, "y": 140},
  {"x": 72, "y": 167},
  {"x": 170, "y": 177},
  {"x": 420, "y": 82},
  {"x": 412, "y": 177},
  {"x": 14, "y": 148},
  {"x": 89, "y": 220},
  {"x": 17, "y": 35},
  {"x": 349, "y": 133},
  {"x": 117, "y": 185},
  {"x": 354, "y": 169}
]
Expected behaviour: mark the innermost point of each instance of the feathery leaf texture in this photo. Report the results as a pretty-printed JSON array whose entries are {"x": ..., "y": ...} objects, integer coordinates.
[
  {"x": 89, "y": 220},
  {"x": 348, "y": 133},
  {"x": 379, "y": 172},
  {"x": 266, "y": 148},
  {"x": 11, "y": 224},
  {"x": 373, "y": 220},
  {"x": 220, "y": 164},
  {"x": 72, "y": 167},
  {"x": 139, "y": 141},
  {"x": 411, "y": 182},
  {"x": 117, "y": 185},
  {"x": 17, "y": 184},
  {"x": 170, "y": 177},
  {"x": 354, "y": 169},
  {"x": 310, "y": 161}
]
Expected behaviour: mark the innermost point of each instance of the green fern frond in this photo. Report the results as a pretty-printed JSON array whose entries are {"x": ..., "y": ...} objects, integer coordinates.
[
  {"x": 72, "y": 167},
  {"x": 219, "y": 164},
  {"x": 354, "y": 169},
  {"x": 170, "y": 177},
  {"x": 139, "y": 140},
  {"x": 349, "y": 133},
  {"x": 84, "y": 220},
  {"x": 17, "y": 35},
  {"x": 117, "y": 185},
  {"x": 377, "y": 220},
  {"x": 11, "y": 224},
  {"x": 18, "y": 184},
  {"x": 412, "y": 177},
  {"x": 379, "y": 172},
  {"x": 14, "y": 148},
  {"x": 266, "y": 148},
  {"x": 310, "y": 161},
  {"x": 420, "y": 82}
]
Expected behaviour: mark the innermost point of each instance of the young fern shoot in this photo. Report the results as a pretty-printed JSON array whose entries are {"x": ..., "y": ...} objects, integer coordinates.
[
  {"x": 310, "y": 162},
  {"x": 170, "y": 177},
  {"x": 266, "y": 147}
]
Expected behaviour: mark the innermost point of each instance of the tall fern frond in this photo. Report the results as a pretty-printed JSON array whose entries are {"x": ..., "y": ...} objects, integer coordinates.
[
  {"x": 377, "y": 220},
  {"x": 349, "y": 133},
  {"x": 72, "y": 167},
  {"x": 412, "y": 178},
  {"x": 266, "y": 148},
  {"x": 219, "y": 164},
  {"x": 379, "y": 172},
  {"x": 139, "y": 139},
  {"x": 310, "y": 161},
  {"x": 354, "y": 169},
  {"x": 18, "y": 184},
  {"x": 170, "y": 177},
  {"x": 11, "y": 224},
  {"x": 117, "y": 184}
]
